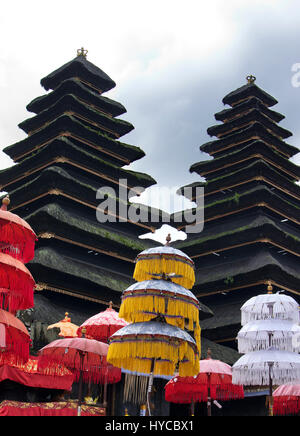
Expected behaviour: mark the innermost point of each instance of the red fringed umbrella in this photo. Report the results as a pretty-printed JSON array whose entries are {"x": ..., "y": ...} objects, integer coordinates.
[
  {"x": 214, "y": 382},
  {"x": 103, "y": 325},
  {"x": 287, "y": 400},
  {"x": 14, "y": 340},
  {"x": 16, "y": 236},
  {"x": 86, "y": 358},
  {"x": 16, "y": 285}
]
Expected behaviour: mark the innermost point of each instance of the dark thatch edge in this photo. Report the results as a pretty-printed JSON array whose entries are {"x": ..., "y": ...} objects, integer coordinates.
[
  {"x": 245, "y": 106},
  {"x": 69, "y": 124},
  {"x": 239, "y": 124},
  {"x": 64, "y": 147},
  {"x": 82, "y": 68},
  {"x": 256, "y": 129},
  {"x": 57, "y": 178},
  {"x": 248, "y": 229},
  {"x": 74, "y": 86},
  {"x": 249, "y": 90},
  {"x": 259, "y": 266},
  {"x": 255, "y": 147}
]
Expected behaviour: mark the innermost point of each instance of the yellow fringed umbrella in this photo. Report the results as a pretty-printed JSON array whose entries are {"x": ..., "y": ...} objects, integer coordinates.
[
  {"x": 146, "y": 300},
  {"x": 164, "y": 261},
  {"x": 154, "y": 348}
]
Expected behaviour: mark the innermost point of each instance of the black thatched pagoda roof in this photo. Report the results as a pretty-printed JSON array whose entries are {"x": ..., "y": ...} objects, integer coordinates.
[
  {"x": 75, "y": 87},
  {"x": 237, "y": 124},
  {"x": 80, "y": 68},
  {"x": 255, "y": 149},
  {"x": 64, "y": 152},
  {"x": 67, "y": 125},
  {"x": 85, "y": 113},
  {"x": 56, "y": 181},
  {"x": 251, "y": 212},
  {"x": 247, "y": 91},
  {"x": 244, "y": 107},
  {"x": 256, "y": 266},
  {"x": 255, "y": 131},
  {"x": 242, "y": 231}
]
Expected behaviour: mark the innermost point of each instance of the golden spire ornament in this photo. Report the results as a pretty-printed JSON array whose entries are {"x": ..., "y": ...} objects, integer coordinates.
[
  {"x": 82, "y": 52},
  {"x": 250, "y": 79}
]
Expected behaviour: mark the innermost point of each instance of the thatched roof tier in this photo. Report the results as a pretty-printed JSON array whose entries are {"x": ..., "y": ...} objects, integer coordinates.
[
  {"x": 61, "y": 223},
  {"x": 71, "y": 276},
  {"x": 244, "y": 107},
  {"x": 55, "y": 181},
  {"x": 257, "y": 171},
  {"x": 64, "y": 153},
  {"x": 239, "y": 123},
  {"x": 234, "y": 203},
  {"x": 66, "y": 125},
  {"x": 88, "y": 96},
  {"x": 255, "y": 149},
  {"x": 248, "y": 268},
  {"x": 219, "y": 352},
  {"x": 82, "y": 69},
  {"x": 242, "y": 231},
  {"x": 70, "y": 104},
  {"x": 256, "y": 131},
  {"x": 247, "y": 91},
  {"x": 84, "y": 277}
]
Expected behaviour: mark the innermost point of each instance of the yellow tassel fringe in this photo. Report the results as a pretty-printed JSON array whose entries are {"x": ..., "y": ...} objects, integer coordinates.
[
  {"x": 133, "y": 310},
  {"x": 144, "y": 268},
  {"x": 138, "y": 355}
]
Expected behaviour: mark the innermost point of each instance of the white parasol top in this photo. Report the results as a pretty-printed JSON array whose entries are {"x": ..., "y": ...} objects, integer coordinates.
[
  {"x": 270, "y": 306},
  {"x": 256, "y": 368},
  {"x": 263, "y": 334}
]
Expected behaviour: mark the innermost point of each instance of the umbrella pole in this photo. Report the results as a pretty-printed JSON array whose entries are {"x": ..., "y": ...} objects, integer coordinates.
[
  {"x": 270, "y": 391},
  {"x": 192, "y": 408},
  {"x": 208, "y": 396},
  {"x": 150, "y": 386},
  {"x": 80, "y": 385}
]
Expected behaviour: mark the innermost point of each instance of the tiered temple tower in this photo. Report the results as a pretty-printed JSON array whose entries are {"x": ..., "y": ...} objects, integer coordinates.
[
  {"x": 73, "y": 148},
  {"x": 252, "y": 211}
]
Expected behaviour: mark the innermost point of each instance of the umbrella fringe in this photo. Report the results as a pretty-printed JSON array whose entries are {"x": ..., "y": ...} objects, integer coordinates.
[
  {"x": 261, "y": 377},
  {"x": 167, "y": 355},
  {"x": 135, "y": 389},
  {"x": 19, "y": 242},
  {"x": 247, "y": 345},
  {"x": 167, "y": 264},
  {"x": 133, "y": 309},
  {"x": 286, "y": 405}
]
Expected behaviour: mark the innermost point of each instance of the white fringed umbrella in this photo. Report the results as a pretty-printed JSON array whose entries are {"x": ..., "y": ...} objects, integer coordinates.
[
  {"x": 270, "y": 306},
  {"x": 263, "y": 334},
  {"x": 260, "y": 368}
]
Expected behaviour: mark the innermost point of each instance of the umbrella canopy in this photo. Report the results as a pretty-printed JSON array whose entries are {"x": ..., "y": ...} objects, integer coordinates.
[
  {"x": 165, "y": 260},
  {"x": 261, "y": 334},
  {"x": 287, "y": 400},
  {"x": 103, "y": 325},
  {"x": 141, "y": 346},
  {"x": 28, "y": 375},
  {"x": 16, "y": 236},
  {"x": 270, "y": 306},
  {"x": 77, "y": 354},
  {"x": 258, "y": 367},
  {"x": 145, "y": 300},
  {"x": 14, "y": 340},
  {"x": 16, "y": 285},
  {"x": 213, "y": 381},
  {"x": 67, "y": 329}
]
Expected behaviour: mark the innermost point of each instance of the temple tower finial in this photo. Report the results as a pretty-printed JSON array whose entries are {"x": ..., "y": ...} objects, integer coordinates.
[
  {"x": 82, "y": 52},
  {"x": 250, "y": 78}
]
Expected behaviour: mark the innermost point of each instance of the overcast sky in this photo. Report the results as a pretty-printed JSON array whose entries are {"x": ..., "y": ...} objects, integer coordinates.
[{"x": 173, "y": 62}]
